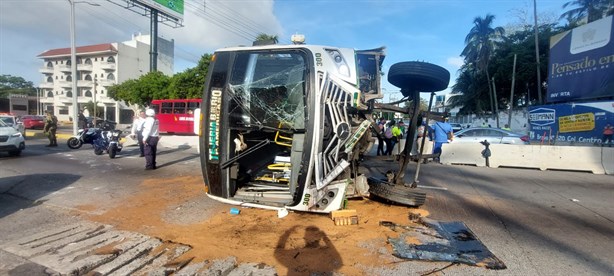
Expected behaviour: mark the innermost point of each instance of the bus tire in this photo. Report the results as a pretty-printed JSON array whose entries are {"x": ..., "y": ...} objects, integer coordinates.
[
  {"x": 398, "y": 194},
  {"x": 418, "y": 76}
]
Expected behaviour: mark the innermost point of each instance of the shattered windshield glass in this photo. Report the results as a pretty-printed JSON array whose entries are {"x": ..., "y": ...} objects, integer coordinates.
[{"x": 267, "y": 89}]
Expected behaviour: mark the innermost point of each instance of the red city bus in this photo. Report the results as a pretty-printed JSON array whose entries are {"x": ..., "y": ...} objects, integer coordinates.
[{"x": 177, "y": 115}]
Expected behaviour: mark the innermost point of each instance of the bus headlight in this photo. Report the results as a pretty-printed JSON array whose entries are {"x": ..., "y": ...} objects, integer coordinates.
[{"x": 342, "y": 66}]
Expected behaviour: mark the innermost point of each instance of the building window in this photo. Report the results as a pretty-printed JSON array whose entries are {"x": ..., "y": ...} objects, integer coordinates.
[
  {"x": 101, "y": 92},
  {"x": 79, "y": 60},
  {"x": 63, "y": 111},
  {"x": 50, "y": 94},
  {"x": 49, "y": 64},
  {"x": 68, "y": 78},
  {"x": 88, "y": 93},
  {"x": 111, "y": 59},
  {"x": 111, "y": 76},
  {"x": 56, "y": 62},
  {"x": 49, "y": 79},
  {"x": 88, "y": 61},
  {"x": 68, "y": 62},
  {"x": 56, "y": 77},
  {"x": 69, "y": 94},
  {"x": 88, "y": 77}
]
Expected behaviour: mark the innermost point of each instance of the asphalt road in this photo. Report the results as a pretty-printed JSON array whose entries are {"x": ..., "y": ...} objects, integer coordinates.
[{"x": 537, "y": 222}]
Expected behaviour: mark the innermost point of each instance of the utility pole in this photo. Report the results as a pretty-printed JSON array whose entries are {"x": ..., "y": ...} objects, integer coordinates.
[
  {"x": 509, "y": 117},
  {"x": 153, "y": 50},
  {"x": 494, "y": 91},
  {"x": 539, "y": 81},
  {"x": 94, "y": 100}
]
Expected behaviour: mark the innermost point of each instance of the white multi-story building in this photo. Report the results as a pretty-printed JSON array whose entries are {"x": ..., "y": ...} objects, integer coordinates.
[{"x": 99, "y": 67}]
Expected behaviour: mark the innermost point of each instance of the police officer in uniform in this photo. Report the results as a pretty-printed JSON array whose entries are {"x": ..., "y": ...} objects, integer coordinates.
[
  {"x": 150, "y": 139},
  {"x": 51, "y": 126},
  {"x": 137, "y": 131}
]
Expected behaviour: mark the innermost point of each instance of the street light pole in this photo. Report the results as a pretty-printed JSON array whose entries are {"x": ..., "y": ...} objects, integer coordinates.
[{"x": 73, "y": 66}]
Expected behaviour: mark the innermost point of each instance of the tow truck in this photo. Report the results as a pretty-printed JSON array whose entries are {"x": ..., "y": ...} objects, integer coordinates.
[{"x": 286, "y": 126}]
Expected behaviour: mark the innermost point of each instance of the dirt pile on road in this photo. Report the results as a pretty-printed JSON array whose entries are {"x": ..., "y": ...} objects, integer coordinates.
[{"x": 295, "y": 245}]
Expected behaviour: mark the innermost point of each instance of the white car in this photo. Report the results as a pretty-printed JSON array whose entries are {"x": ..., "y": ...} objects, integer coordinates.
[
  {"x": 12, "y": 121},
  {"x": 11, "y": 140}
]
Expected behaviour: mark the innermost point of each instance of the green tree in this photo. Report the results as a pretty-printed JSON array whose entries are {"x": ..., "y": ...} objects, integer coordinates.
[
  {"x": 142, "y": 91},
  {"x": 15, "y": 85},
  {"x": 479, "y": 46},
  {"x": 590, "y": 9},
  {"x": 265, "y": 37},
  {"x": 190, "y": 83}
]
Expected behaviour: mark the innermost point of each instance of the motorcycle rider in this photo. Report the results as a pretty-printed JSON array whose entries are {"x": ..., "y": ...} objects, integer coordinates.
[
  {"x": 137, "y": 131},
  {"x": 151, "y": 133}
]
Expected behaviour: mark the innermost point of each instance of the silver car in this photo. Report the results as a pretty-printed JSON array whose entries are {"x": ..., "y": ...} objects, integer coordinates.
[
  {"x": 11, "y": 140},
  {"x": 492, "y": 135}
]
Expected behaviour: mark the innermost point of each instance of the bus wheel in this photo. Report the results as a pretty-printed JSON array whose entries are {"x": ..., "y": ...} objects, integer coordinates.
[
  {"x": 418, "y": 76},
  {"x": 397, "y": 193}
]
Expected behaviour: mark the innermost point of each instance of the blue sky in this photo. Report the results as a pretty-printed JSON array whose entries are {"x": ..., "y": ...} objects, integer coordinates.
[{"x": 425, "y": 30}]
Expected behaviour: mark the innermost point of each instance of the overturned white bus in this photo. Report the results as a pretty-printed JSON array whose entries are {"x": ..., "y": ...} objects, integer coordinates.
[{"x": 284, "y": 126}]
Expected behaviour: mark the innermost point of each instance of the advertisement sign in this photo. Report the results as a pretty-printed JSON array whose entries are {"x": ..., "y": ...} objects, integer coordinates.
[
  {"x": 571, "y": 122},
  {"x": 172, "y": 8},
  {"x": 582, "y": 62}
]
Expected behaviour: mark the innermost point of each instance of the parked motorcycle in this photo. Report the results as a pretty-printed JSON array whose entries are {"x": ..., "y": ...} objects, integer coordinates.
[
  {"x": 105, "y": 138},
  {"x": 84, "y": 136},
  {"x": 108, "y": 141}
]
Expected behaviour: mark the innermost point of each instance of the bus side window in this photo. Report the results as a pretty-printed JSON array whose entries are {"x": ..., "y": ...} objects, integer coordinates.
[
  {"x": 193, "y": 106},
  {"x": 179, "y": 108},
  {"x": 166, "y": 108}
]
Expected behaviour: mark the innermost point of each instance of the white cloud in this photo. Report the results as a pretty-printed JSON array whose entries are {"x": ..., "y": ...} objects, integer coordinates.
[
  {"x": 30, "y": 27},
  {"x": 457, "y": 62}
]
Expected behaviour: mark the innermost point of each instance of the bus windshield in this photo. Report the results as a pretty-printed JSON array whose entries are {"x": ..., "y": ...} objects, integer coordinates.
[{"x": 267, "y": 89}]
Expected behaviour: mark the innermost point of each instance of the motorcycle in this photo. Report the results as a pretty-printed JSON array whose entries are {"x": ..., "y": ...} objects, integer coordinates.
[
  {"x": 104, "y": 138},
  {"x": 84, "y": 136},
  {"x": 108, "y": 141}
]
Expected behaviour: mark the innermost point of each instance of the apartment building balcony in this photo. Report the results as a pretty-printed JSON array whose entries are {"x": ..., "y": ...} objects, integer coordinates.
[
  {"x": 84, "y": 67},
  {"x": 46, "y": 70},
  {"x": 48, "y": 85},
  {"x": 85, "y": 83},
  {"x": 108, "y": 66},
  {"x": 66, "y": 84},
  {"x": 106, "y": 82},
  {"x": 64, "y": 68}
]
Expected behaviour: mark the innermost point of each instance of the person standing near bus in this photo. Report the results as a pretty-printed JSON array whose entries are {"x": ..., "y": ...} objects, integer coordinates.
[
  {"x": 151, "y": 130},
  {"x": 137, "y": 131}
]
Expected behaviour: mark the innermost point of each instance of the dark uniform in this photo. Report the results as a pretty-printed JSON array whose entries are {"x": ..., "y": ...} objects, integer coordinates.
[{"x": 51, "y": 126}]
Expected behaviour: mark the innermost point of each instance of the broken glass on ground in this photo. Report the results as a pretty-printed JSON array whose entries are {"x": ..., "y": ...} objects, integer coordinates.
[{"x": 441, "y": 241}]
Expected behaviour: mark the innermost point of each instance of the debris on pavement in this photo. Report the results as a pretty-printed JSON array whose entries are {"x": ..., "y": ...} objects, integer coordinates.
[
  {"x": 344, "y": 217},
  {"x": 441, "y": 241}
]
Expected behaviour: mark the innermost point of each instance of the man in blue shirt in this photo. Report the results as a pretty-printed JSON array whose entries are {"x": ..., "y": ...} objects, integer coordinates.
[{"x": 443, "y": 134}]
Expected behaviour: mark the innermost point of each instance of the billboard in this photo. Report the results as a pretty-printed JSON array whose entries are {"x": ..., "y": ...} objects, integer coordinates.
[
  {"x": 172, "y": 8},
  {"x": 582, "y": 62},
  {"x": 571, "y": 122}
]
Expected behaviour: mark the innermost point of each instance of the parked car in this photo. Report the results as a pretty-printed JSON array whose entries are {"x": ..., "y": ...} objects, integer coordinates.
[
  {"x": 13, "y": 122},
  {"x": 33, "y": 121},
  {"x": 456, "y": 127},
  {"x": 11, "y": 140},
  {"x": 491, "y": 134}
]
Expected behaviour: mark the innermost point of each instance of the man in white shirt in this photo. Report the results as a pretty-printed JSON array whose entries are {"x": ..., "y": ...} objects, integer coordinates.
[
  {"x": 137, "y": 131},
  {"x": 150, "y": 139}
]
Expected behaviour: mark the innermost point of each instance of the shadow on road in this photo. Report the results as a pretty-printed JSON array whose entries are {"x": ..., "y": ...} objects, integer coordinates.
[
  {"x": 315, "y": 254},
  {"x": 29, "y": 189}
]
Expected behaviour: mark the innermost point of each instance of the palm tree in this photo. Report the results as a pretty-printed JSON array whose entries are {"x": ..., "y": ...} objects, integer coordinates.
[
  {"x": 591, "y": 9},
  {"x": 264, "y": 37},
  {"x": 480, "y": 44}
]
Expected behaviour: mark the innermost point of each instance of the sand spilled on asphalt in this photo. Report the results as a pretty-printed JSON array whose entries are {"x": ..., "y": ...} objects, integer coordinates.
[{"x": 295, "y": 245}]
